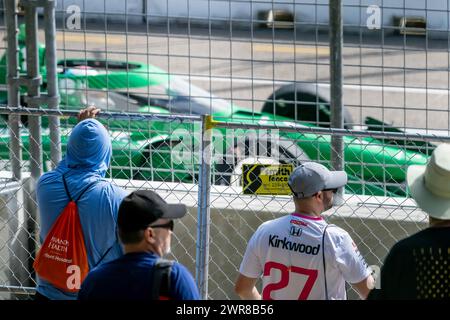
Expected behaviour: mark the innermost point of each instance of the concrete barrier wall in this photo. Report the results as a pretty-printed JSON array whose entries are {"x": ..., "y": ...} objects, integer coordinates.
[{"x": 245, "y": 13}]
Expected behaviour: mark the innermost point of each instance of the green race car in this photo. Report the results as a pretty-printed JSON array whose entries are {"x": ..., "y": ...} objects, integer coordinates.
[{"x": 168, "y": 150}]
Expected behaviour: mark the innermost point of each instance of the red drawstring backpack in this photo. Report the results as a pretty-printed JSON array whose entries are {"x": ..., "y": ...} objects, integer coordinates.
[{"x": 62, "y": 259}]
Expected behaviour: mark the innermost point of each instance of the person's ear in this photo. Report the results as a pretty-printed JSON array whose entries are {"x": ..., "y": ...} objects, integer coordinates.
[
  {"x": 149, "y": 235},
  {"x": 319, "y": 195}
]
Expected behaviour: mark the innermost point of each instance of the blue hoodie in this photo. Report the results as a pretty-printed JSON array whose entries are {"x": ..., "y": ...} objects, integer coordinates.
[{"x": 87, "y": 158}]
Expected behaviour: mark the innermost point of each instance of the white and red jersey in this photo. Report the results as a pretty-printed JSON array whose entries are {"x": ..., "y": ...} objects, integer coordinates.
[{"x": 288, "y": 253}]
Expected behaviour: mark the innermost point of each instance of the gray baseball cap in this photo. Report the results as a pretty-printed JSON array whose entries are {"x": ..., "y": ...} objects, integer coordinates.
[{"x": 310, "y": 178}]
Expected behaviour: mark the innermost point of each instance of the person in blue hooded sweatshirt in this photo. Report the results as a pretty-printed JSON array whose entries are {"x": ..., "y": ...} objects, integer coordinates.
[{"x": 87, "y": 158}]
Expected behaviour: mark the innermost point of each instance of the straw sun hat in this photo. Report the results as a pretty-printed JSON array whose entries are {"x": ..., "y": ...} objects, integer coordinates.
[{"x": 430, "y": 184}]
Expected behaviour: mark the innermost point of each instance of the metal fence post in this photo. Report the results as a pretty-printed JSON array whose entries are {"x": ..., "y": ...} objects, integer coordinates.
[
  {"x": 32, "y": 58},
  {"x": 34, "y": 122},
  {"x": 52, "y": 85},
  {"x": 203, "y": 213},
  {"x": 13, "y": 87},
  {"x": 336, "y": 82},
  {"x": 145, "y": 11},
  {"x": 18, "y": 270}
]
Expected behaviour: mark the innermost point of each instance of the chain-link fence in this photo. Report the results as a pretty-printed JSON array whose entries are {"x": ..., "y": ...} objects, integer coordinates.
[
  {"x": 172, "y": 166},
  {"x": 264, "y": 70},
  {"x": 142, "y": 149},
  {"x": 375, "y": 221}
]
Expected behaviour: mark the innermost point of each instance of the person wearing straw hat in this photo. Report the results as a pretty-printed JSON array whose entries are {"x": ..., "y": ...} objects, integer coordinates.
[{"x": 418, "y": 267}]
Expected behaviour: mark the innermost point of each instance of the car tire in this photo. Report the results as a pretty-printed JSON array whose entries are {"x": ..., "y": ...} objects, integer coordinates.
[{"x": 307, "y": 98}]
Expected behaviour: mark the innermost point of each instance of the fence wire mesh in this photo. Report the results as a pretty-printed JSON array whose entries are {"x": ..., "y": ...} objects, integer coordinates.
[
  {"x": 141, "y": 159},
  {"x": 245, "y": 62},
  {"x": 374, "y": 209}
]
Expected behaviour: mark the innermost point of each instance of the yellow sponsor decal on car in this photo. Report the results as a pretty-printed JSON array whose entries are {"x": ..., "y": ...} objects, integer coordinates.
[{"x": 266, "y": 179}]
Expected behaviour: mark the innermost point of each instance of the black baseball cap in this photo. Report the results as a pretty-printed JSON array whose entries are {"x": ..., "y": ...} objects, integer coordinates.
[{"x": 143, "y": 207}]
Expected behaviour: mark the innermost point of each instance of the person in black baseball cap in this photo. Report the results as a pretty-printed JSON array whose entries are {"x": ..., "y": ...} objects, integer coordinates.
[{"x": 145, "y": 224}]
